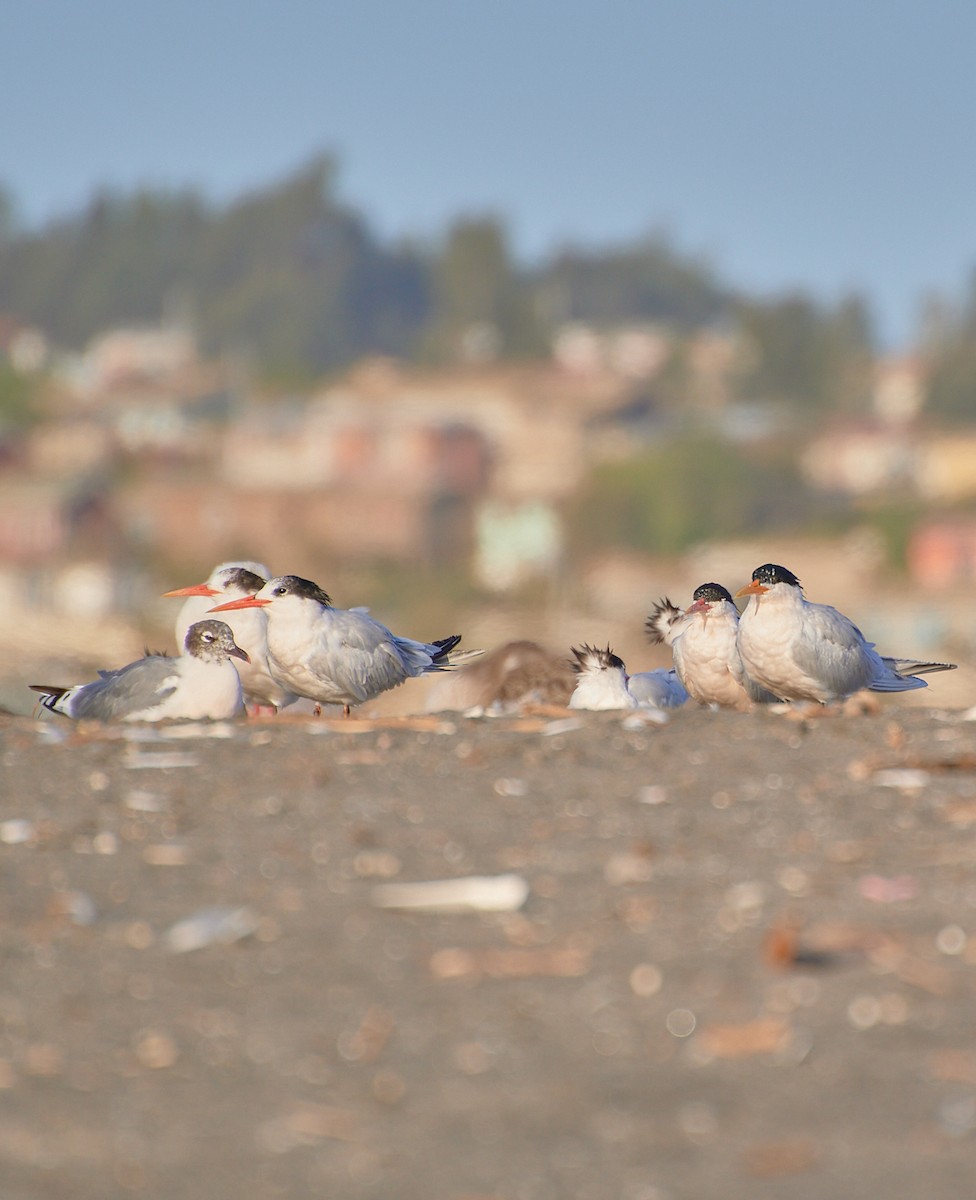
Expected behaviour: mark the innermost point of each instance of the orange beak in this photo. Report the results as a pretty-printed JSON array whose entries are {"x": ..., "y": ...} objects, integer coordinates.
[
  {"x": 752, "y": 589},
  {"x": 198, "y": 589},
  {"x": 244, "y": 602}
]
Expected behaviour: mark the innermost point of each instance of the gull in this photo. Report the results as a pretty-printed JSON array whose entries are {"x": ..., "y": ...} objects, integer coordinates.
[
  {"x": 201, "y": 684},
  {"x": 703, "y": 642},
  {"x": 335, "y": 655},
  {"x": 233, "y": 581},
  {"x": 799, "y": 650},
  {"x": 602, "y": 682}
]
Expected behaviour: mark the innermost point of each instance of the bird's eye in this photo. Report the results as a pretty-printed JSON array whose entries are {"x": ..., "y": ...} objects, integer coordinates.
[{"x": 281, "y": 590}]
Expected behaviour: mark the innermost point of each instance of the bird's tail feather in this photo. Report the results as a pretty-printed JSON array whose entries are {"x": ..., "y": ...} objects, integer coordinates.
[
  {"x": 897, "y": 683},
  {"x": 444, "y": 646},
  {"x": 446, "y": 658},
  {"x": 49, "y": 695},
  {"x": 460, "y": 659},
  {"x": 910, "y": 666}
]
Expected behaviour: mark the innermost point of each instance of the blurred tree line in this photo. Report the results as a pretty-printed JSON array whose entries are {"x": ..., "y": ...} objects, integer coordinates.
[{"x": 300, "y": 281}]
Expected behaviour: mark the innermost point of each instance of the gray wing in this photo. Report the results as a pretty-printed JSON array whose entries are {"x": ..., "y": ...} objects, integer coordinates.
[
  {"x": 831, "y": 649},
  {"x": 660, "y": 689},
  {"x": 358, "y": 654},
  {"x": 116, "y": 695}
]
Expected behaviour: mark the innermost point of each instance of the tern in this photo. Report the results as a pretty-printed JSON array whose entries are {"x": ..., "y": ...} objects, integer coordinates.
[
  {"x": 201, "y": 684},
  {"x": 335, "y": 655},
  {"x": 233, "y": 581},
  {"x": 799, "y": 650},
  {"x": 602, "y": 682},
  {"x": 703, "y": 642}
]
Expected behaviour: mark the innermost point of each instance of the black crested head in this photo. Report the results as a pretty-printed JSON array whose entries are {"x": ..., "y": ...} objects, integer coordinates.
[
  {"x": 592, "y": 658},
  {"x": 305, "y": 589},
  {"x": 658, "y": 625},
  {"x": 770, "y": 573},
  {"x": 244, "y": 580},
  {"x": 712, "y": 592}
]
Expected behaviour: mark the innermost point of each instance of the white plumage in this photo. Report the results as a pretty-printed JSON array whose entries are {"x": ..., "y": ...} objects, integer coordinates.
[
  {"x": 799, "y": 650},
  {"x": 703, "y": 644},
  {"x": 201, "y": 684},
  {"x": 603, "y": 683},
  {"x": 233, "y": 581},
  {"x": 335, "y": 655}
]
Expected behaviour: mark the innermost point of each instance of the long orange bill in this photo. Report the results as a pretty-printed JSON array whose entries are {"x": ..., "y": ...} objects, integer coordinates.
[
  {"x": 198, "y": 589},
  {"x": 244, "y": 602}
]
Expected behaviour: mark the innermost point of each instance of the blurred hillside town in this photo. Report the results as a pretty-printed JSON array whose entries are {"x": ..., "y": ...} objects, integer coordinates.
[{"x": 616, "y": 444}]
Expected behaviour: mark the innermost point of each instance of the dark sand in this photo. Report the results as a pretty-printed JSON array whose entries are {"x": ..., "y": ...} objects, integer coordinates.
[{"x": 746, "y": 965}]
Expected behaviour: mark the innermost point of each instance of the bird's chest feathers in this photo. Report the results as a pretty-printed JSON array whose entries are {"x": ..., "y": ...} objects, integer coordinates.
[{"x": 709, "y": 638}]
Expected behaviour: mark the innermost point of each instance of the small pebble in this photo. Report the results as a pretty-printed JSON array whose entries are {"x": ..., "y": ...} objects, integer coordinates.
[
  {"x": 646, "y": 979},
  {"x": 211, "y": 926},
  {"x": 951, "y": 940},
  {"x": 16, "y": 830},
  {"x": 908, "y": 779},
  {"x": 653, "y": 793},
  {"x": 473, "y": 893},
  {"x": 155, "y": 1049},
  {"x": 142, "y": 801},
  {"x": 681, "y": 1022}
]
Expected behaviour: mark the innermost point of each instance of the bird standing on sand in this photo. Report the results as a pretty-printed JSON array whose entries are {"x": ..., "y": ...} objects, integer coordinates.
[
  {"x": 335, "y": 655},
  {"x": 603, "y": 683},
  {"x": 799, "y": 650},
  {"x": 703, "y": 642},
  {"x": 233, "y": 581},
  {"x": 201, "y": 684}
]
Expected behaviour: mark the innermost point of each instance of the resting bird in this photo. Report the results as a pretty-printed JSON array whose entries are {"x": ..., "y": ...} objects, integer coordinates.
[
  {"x": 602, "y": 682},
  {"x": 335, "y": 655},
  {"x": 513, "y": 674},
  {"x": 232, "y": 581},
  {"x": 804, "y": 651},
  {"x": 201, "y": 684},
  {"x": 703, "y": 643}
]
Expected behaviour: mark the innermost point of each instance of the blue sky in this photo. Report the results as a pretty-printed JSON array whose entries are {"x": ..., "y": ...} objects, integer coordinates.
[{"x": 827, "y": 146}]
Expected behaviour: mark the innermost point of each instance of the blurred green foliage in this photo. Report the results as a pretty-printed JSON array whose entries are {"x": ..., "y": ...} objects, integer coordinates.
[
  {"x": 951, "y": 349},
  {"x": 300, "y": 282},
  {"x": 696, "y": 488},
  {"x": 18, "y": 394}
]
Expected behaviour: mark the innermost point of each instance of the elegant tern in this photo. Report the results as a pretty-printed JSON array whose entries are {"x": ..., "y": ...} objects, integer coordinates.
[
  {"x": 703, "y": 643},
  {"x": 799, "y": 650},
  {"x": 233, "y": 581},
  {"x": 335, "y": 655},
  {"x": 603, "y": 683}
]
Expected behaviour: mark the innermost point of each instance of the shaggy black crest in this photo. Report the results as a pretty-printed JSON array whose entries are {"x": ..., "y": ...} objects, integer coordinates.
[
  {"x": 246, "y": 580},
  {"x": 658, "y": 624},
  {"x": 294, "y": 585},
  {"x": 588, "y": 657},
  {"x": 770, "y": 573},
  {"x": 712, "y": 592}
]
